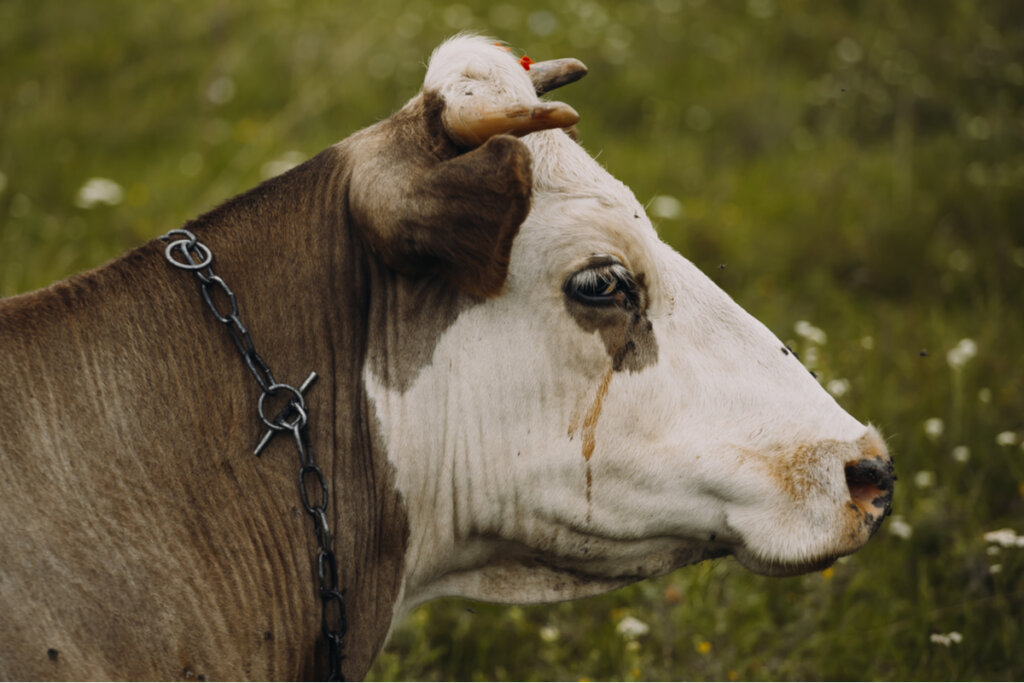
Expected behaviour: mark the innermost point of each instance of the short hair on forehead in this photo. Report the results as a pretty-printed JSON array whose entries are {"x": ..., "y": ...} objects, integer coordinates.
[
  {"x": 570, "y": 194},
  {"x": 563, "y": 167}
]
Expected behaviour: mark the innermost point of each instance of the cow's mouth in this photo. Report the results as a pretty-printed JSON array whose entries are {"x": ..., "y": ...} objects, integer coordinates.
[{"x": 777, "y": 569}]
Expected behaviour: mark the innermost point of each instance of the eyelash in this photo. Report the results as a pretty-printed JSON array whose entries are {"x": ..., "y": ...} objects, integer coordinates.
[{"x": 602, "y": 285}]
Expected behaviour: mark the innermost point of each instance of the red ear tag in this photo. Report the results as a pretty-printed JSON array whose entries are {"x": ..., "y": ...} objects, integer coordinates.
[{"x": 525, "y": 62}]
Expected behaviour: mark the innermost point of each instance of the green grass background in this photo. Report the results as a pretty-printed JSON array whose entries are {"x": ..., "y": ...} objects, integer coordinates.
[{"x": 858, "y": 165}]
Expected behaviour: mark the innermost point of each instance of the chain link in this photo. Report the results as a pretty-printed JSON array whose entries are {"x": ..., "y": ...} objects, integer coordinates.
[{"x": 188, "y": 253}]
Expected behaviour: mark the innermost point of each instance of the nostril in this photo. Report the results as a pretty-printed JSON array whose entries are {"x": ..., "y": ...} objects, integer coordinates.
[{"x": 870, "y": 482}]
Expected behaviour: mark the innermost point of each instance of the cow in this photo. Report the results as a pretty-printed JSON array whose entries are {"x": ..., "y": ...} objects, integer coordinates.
[{"x": 524, "y": 396}]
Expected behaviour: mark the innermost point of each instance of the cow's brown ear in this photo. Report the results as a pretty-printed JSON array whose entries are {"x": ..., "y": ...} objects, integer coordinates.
[{"x": 425, "y": 205}]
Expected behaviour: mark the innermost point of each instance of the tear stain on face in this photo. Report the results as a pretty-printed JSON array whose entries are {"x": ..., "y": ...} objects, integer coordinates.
[
  {"x": 592, "y": 415},
  {"x": 589, "y": 427}
]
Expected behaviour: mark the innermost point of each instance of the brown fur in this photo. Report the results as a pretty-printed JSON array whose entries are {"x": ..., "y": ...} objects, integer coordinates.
[
  {"x": 456, "y": 218},
  {"x": 139, "y": 537}
]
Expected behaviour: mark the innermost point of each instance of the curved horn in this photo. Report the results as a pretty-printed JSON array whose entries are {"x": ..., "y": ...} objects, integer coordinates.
[
  {"x": 554, "y": 73},
  {"x": 470, "y": 120}
]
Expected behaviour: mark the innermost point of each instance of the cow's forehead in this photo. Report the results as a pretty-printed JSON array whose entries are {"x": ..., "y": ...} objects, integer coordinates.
[
  {"x": 579, "y": 209},
  {"x": 563, "y": 234}
]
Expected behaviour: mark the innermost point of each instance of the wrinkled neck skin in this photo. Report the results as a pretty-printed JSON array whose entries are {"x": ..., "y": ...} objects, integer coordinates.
[
  {"x": 308, "y": 306},
  {"x": 182, "y": 555},
  {"x": 316, "y": 320}
]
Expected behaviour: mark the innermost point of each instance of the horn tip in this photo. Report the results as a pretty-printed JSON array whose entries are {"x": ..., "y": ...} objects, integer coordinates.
[{"x": 555, "y": 73}]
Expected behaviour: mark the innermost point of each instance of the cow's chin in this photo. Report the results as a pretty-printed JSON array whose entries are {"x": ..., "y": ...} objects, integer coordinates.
[{"x": 780, "y": 568}]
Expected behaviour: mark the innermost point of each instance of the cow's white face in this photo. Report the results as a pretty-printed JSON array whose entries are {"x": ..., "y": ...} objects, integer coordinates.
[{"x": 613, "y": 415}]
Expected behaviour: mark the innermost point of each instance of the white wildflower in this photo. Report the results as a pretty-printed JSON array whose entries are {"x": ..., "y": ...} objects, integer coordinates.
[
  {"x": 867, "y": 342},
  {"x": 961, "y": 454},
  {"x": 995, "y": 569},
  {"x": 1006, "y": 538},
  {"x": 900, "y": 528},
  {"x": 985, "y": 395},
  {"x": 813, "y": 334},
  {"x": 664, "y": 206},
  {"x": 632, "y": 628},
  {"x": 549, "y": 634},
  {"x": 98, "y": 191},
  {"x": 934, "y": 427},
  {"x": 838, "y": 387},
  {"x": 1006, "y": 438},
  {"x": 924, "y": 479},
  {"x": 964, "y": 351},
  {"x": 947, "y": 639}
]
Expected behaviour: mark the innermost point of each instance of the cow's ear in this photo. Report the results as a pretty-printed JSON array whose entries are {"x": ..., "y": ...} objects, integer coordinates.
[{"x": 428, "y": 205}]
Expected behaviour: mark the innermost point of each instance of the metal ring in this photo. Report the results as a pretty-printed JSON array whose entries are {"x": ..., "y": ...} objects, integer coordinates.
[
  {"x": 336, "y": 597},
  {"x": 180, "y": 231},
  {"x": 321, "y": 530},
  {"x": 297, "y": 422},
  {"x": 298, "y": 402},
  {"x": 183, "y": 246},
  {"x": 304, "y": 491},
  {"x": 327, "y": 570},
  {"x": 260, "y": 372},
  {"x": 208, "y": 298}
]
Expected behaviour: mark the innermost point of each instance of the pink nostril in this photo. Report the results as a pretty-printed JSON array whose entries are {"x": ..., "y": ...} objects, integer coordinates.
[{"x": 871, "y": 483}]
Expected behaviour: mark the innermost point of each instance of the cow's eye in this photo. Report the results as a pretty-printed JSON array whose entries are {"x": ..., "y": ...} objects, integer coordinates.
[{"x": 606, "y": 284}]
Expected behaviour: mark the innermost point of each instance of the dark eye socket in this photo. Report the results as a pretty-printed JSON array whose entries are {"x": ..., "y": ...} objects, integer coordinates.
[{"x": 601, "y": 285}]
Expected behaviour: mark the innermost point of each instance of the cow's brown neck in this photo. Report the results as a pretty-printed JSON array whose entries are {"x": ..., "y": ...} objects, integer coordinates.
[
  {"x": 314, "y": 297},
  {"x": 209, "y": 567}
]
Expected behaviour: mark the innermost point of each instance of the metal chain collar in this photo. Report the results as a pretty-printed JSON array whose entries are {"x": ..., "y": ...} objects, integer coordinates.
[{"x": 188, "y": 253}]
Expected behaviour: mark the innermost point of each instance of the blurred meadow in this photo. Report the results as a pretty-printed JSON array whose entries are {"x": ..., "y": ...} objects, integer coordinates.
[{"x": 851, "y": 172}]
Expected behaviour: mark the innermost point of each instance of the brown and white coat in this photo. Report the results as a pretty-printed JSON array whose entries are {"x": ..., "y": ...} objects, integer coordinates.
[{"x": 525, "y": 395}]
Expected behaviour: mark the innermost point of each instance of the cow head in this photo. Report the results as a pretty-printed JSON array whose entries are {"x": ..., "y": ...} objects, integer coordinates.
[{"x": 568, "y": 403}]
